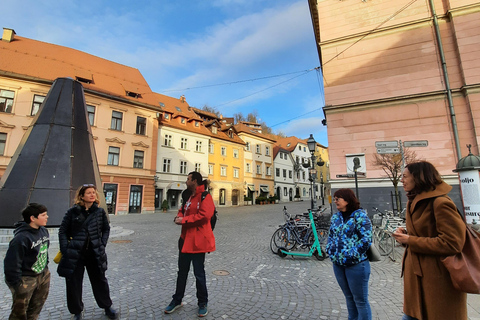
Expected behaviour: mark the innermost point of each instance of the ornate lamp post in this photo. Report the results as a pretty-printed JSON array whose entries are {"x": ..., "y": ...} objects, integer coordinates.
[
  {"x": 312, "y": 146},
  {"x": 321, "y": 190}
]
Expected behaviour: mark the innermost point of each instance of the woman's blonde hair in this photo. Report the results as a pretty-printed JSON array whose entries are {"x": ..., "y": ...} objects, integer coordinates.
[{"x": 81, "y": 192}]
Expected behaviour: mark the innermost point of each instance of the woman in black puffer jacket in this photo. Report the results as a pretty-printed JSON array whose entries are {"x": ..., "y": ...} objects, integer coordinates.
[{"x": 83, "y": 236}]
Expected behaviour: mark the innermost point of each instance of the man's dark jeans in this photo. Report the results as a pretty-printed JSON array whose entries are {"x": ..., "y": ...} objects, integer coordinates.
[{"x": 198, "y": 261}]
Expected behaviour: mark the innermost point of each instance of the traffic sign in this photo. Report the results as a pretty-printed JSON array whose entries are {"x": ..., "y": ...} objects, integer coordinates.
[
  {"x": 388, "y": 150},
  {"x": 386, "y": 144},
  {"x": 417, "y": 143},
  {"x": 351, "y": 175}
]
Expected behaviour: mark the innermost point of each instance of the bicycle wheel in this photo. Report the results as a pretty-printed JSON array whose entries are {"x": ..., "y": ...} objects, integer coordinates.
[
  {"x": 280, "y": 239},
  {"x": 322, "y": 236},
  {"x": 385, "y": 243}
]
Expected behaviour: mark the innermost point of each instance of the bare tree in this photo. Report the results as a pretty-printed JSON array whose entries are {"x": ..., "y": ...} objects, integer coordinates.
[
  {"x": 239, "y": 117},
  {"x": 392, "y": 165},
  {"x": 212, "y": 110}
]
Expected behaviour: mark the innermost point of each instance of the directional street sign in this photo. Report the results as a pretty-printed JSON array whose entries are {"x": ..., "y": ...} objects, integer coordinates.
[
  {"x": 417, "y": 143},
  {"x": 386, "y": 144},
  {"x": 388, "y": 150},
  {"x": 351, "y": 175}
]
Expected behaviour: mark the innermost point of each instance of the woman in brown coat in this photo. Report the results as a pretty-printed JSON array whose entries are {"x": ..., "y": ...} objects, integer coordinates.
[{"x": 434, "y": 230}]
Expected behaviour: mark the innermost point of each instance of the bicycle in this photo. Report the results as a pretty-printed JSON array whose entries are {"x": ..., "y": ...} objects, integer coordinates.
[
  {"x": 297, "y": 232},
  {"x": 384, "y": 225},
  {"x": 315, "y": 247}
]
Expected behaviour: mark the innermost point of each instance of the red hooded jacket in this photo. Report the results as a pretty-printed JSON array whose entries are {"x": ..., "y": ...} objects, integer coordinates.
[{"x": 196, "y": 229}]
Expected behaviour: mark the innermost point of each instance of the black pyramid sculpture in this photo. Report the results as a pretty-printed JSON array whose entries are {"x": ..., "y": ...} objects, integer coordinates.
[{"x": 55, "y": 157}]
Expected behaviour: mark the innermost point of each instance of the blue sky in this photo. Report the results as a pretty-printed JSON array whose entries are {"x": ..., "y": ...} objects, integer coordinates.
[{"x": 187, "y": 47}]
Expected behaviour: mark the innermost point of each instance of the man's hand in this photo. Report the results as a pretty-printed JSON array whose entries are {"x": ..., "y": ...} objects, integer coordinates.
[{"x": 178, "y": 220}]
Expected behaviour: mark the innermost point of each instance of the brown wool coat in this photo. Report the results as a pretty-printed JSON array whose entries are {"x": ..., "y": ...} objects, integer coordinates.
[{"x": 428, "y": 290}]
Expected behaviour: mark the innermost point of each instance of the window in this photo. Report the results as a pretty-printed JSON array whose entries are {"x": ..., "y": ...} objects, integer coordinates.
[
  {"x": 117, "y": 118},
  {"x": 166, "y": 116},
  {"x": 113, "y": 156},
  {"x": 183, "y": 143},
  {"x": 303, "y": 175},
  {"x": 235, "y": 153},
  {"x": 210, "y": 169},
  {"x": 182, "y": 120},
  {"x": 37, "y": 102},
  {"x": 198, "y": 146},
  {"x": 214, "y": 129},
  {"x": 277, "y": 172},
  {"x": 284, "y": 173},
  {"x": 269, "y": 171},
  {"x": 247, "y": 146},
  {"x": 167, "y": 140},
  {"x": 3, "y": 142},
  {"x": 267, "y": 151},
  {"x": 235, "y": 173},
  {"x": 304, "y": 192},
  {"x": 290, "y": 174},
  {"x": 258, "y": 148},
  {"x": 6, "y": 100},
  {"x": 91, "y": 114},
  {"x": 247, "y": 167},
  {"x": 304, "y": 149},
  {"x": 223, "y": 171},
  {"x": 300, "y": 148},
  {"x": 259, "y": 169},
  {"x": 166, "y": 165},
  {"x": 183, "y": 167},
  {"x": 138, "y": 159},
  {"x": 281, "y": 155},
  {"x": 224, "y": 151},
  {"x": 141, "y": 125},
  {"x": 285, "y": 191},
  {"x": 197, "y": 123},
  {"x": 211, "y": 148},
  {"x": 197, "y": 167}
]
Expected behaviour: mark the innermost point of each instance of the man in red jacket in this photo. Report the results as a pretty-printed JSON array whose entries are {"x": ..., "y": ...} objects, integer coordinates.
[{"x": 195, "y": 240}]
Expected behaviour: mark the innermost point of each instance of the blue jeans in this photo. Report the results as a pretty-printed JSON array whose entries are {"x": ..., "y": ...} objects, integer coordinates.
[
  {"x": 353, "y": 281},
  {"x": 406, "y": 317}
]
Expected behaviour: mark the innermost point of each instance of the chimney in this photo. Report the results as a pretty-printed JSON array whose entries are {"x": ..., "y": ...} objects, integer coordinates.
[
  {"x": 182, "y": 98},
  {"x": 8, "y": 34}
]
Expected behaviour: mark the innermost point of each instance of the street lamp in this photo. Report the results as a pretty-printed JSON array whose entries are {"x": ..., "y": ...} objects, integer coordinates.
[
  {"x": 312, "y": 146},
  {"x": 321, "y": 190}
]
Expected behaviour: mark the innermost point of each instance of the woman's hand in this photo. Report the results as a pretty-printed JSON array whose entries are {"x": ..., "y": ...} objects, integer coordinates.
[{"x": 401, "y": 235}]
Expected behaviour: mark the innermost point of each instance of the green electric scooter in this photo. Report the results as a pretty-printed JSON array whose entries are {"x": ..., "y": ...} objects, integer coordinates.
[{"x": 315, "y": 249}]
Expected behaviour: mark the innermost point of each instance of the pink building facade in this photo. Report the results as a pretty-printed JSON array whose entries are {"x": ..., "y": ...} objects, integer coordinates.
[{"x": 398, "y": 71}]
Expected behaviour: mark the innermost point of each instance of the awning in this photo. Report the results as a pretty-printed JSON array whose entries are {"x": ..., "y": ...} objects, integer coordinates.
[
  {"x": 176, "y": 186},
  {"x": 264, "y": 189},
  {"x": 251, "y": 188}
]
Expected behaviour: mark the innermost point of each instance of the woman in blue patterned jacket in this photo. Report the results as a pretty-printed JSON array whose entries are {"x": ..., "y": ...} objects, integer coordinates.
[{"x": 348, "y": 241}]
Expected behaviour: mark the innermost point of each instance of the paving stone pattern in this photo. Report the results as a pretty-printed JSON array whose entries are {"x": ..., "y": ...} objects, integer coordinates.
[{"x": 253, "y": 283}]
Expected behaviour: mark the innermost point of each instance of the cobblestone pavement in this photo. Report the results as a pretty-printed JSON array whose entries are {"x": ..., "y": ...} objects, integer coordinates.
[{"x": 253, "y": 283}]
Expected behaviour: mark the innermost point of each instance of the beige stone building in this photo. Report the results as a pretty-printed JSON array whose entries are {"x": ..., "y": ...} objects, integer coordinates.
[
  {"x": 398, "y": 72},
  {"x": 121, "y": 107}
]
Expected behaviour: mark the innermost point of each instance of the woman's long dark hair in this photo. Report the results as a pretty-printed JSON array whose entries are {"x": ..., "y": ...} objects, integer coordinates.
[
  {"x": 425, "y": 176},
  {"x": 349, "y": 196}
]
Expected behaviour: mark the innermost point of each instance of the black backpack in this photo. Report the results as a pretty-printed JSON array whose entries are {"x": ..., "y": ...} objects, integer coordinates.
[{"x": 214, "y": 218}]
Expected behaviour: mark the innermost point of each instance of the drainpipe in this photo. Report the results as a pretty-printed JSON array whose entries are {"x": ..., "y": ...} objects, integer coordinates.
[{"x": 447, "y": 82}]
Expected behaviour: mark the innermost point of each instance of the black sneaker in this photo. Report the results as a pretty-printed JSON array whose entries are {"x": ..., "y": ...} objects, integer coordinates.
[
  {"x": 172, "y": 307},
  {"x": 111, "y": 313}
]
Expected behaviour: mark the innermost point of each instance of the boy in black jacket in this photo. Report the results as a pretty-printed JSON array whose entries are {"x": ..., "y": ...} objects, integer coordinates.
[{"x": 25, "y": 264}]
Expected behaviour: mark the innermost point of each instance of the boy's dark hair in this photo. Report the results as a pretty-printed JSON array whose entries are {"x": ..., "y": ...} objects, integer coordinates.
[
  {"x": 197, "y": 176},
  {"x": 33, "y": 209}
]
